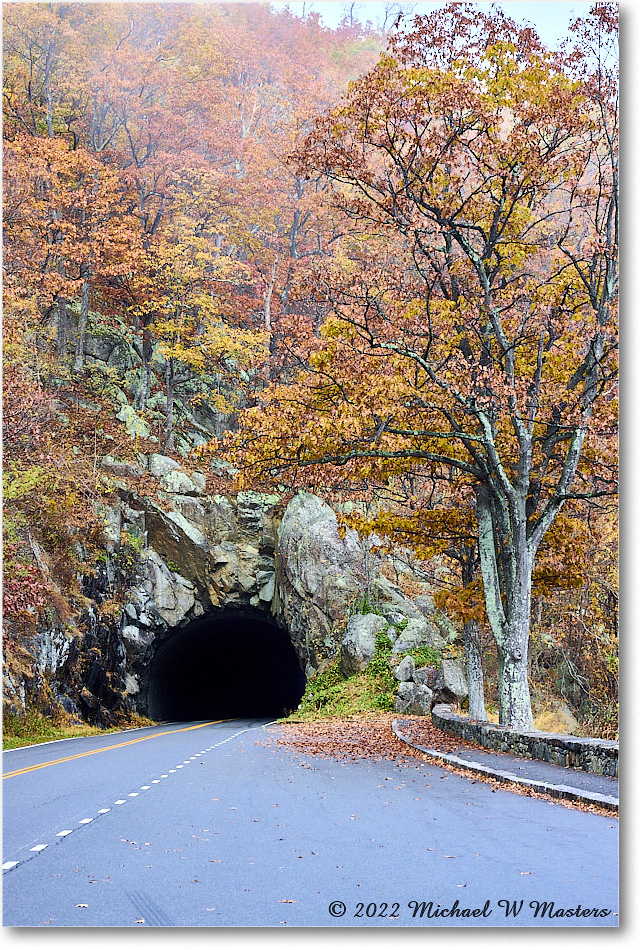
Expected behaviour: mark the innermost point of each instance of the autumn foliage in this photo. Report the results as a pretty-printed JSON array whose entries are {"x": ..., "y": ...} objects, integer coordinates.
[
  {"x": 397, "y": 269},
  {"x": 468, "y": 353}
]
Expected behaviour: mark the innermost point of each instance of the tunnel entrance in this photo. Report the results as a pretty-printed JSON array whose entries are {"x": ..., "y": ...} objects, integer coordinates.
[{"x": 225, "y": 665}]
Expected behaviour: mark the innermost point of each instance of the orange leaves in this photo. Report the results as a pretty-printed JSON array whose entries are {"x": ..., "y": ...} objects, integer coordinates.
[{"x": 68, "y": 216}]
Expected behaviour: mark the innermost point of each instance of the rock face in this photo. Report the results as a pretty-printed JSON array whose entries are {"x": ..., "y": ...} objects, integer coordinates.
[
  {"x": 360, "y": 642},
  {"x": 405, "y": 670},
  {"x": 319, "y": 576},
  {"x": 177, "y": 554}
]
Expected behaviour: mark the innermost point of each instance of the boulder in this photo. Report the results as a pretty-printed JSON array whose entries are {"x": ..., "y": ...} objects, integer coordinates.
[
  {"x": 392, "y": 602},
  {"x": 418, "y": 633},
  {"x": 426, "y": 604},
  {"x": 450, "y": 684},
  {"x": 160, "y": 465},
  {"x": 425, "y": 676},
  {"x": 406, "y": 692},
  {"x": 120, "y": 469},
  {"x": 413, "y": 700},
  {"x": 359, "y": 642},
  {"x": 179, "y": 483},
  {"x": 404, "y": 672}
]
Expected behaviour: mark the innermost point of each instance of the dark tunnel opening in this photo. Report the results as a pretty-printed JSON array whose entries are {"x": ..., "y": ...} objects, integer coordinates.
[{"x": 225, "y": 666}]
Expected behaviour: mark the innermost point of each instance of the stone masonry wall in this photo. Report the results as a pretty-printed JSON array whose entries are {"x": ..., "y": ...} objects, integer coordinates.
[{"x": 591, "y": 755}]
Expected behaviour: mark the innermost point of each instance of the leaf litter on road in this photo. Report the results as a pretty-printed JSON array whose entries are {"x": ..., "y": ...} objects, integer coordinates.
[{"x": 371, "y": 737}]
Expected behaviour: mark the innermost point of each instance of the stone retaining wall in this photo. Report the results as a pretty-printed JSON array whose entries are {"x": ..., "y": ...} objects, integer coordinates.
[{"x": 591, "y": 755}]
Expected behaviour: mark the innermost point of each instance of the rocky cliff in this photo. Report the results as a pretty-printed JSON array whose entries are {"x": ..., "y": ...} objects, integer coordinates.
[{"x": 179, "y": 562}]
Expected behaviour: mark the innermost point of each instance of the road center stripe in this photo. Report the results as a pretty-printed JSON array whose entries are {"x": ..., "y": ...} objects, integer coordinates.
[{"x": 108, "y": 748}]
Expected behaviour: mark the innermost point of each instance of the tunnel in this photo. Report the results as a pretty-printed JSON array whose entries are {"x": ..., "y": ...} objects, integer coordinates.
[{"x": 226, "y": 665}]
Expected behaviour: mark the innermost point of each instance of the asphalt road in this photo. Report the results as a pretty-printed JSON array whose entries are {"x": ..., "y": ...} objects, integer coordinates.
[{"x": 200, "y": 825}]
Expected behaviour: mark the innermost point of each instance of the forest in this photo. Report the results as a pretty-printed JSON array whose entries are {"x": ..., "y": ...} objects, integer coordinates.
[{"x": 375, "y": 262}]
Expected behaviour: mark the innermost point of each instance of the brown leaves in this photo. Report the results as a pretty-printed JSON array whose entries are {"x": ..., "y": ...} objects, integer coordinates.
[{"x": 365, "y": 737}]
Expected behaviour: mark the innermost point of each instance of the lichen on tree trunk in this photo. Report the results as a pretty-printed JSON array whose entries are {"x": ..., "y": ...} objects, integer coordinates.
[{"x": 474, "y": 672}]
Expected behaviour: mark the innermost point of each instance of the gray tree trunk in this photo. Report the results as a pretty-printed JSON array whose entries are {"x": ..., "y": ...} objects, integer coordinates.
[
  {"x": 79, "y": 357},
  {"x": 474, "y": 672},
  {"x": 169, "y": 407},
  {"x": 147, "y": 353},
  {"x": 506, "y": 566},
  {"x": 61, "y": 327}
]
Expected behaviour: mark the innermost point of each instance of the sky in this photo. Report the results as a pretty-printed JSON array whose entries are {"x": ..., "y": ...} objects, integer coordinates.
[{"x": 550, "y": 18}]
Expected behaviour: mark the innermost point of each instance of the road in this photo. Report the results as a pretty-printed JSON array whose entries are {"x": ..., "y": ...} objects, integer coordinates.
[{"x": 212, "y": 824}]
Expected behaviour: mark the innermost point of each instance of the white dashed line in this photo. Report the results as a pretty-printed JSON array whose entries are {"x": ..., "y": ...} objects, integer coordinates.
[{"x": 8, "y": 865}]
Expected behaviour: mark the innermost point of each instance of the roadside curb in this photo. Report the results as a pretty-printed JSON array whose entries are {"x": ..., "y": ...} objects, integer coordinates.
[{"x": 555, "y": 791}]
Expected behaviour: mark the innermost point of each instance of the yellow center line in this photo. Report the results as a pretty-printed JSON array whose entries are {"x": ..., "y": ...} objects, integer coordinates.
[{"x": 108, "y": 748}]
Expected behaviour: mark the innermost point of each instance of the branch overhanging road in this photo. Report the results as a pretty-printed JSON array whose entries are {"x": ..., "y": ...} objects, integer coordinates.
[{"x": 210, "y": 824}]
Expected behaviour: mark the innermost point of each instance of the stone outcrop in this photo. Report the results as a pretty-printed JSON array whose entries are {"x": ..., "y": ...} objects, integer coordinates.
[
  {"x": 320, "y": 575},
  {"x": 418, "y": 633},
  {"x": 174, "y": 553},
  {"x": 360, "y": 642}
]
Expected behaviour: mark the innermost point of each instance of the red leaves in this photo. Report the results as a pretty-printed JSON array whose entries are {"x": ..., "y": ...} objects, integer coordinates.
[
  {"x": 27, "y": 410},
  {"x": 24, "y": 592}
]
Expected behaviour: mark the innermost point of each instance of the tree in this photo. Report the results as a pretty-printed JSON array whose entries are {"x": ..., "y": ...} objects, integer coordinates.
[
  {"x": 68, "y": 225},
  {"x": 181, "y": 294},
  {"x": 473, "y": 302}
]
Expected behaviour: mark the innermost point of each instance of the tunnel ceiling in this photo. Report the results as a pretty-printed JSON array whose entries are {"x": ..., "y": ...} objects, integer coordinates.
[{"x": 226, "y": 665}]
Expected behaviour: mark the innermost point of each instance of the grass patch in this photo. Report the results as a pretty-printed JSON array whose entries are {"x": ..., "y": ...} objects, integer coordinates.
[
  {"x": 331, "y": 694},
  {"x": 33, "y": 727}
]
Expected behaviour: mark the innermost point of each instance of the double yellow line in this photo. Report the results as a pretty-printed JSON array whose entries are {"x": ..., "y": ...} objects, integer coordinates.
[{"x": 108, "y": 748}]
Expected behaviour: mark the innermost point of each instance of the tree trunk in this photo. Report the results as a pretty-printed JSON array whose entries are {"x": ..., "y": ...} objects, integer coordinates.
[
  {"x": 506, "y": 573},
  {"x": 267, "y": 316},
  {"x": 474, "y": 672},
  {"x": 61, "y": 327},
  {"x": 469, "y": 561},
  {"x": 514, "y": 695},
  {"x": 79, "y": 357},
  {"x": 146, "y": 369},
  {"x": 169, "y": 406}
]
